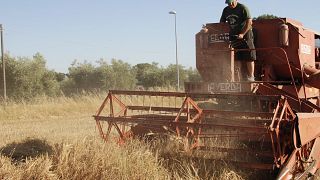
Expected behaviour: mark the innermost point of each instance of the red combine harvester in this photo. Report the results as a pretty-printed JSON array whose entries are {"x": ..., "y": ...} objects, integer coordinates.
[{"x": 270, "y": 124}]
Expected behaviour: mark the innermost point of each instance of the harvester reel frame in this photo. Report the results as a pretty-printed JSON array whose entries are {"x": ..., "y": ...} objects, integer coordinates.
[
  {"x": 123, "y": 133},
  {"x": 191, "y": 137}
]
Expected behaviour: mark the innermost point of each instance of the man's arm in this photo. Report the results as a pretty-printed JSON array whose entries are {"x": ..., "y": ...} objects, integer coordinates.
[
  {"x": 222, "y": 20},
  {"x": 246, "y": 28},
  {"x": 223, "y": 17}
]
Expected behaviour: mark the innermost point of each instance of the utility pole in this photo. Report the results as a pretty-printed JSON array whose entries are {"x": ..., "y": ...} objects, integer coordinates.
[{"x": 3, "y": 68}]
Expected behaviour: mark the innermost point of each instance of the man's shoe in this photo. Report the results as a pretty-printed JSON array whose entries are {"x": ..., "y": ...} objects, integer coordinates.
[{"x": 251, "y": 79}]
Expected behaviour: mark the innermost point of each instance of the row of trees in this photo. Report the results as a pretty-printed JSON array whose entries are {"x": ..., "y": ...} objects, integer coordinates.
[{"x": 29, "y": 77}]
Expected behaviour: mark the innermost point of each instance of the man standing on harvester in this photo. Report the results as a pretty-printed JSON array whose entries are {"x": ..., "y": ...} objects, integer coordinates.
[{"x": 241, "y": 36}]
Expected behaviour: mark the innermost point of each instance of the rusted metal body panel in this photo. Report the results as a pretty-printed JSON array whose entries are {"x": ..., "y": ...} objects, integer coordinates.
[
  {"x": 308, "y": 126},
  {"x": 209, "y": 62},
  {"x": 300, "y": 50}
]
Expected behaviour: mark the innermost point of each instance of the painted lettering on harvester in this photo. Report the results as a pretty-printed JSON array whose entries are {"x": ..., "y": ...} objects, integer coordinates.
[
  {"x": 224, "y": 87},
  {"x": 214, "y": 38},
  {"x": 305, "y": 49}
]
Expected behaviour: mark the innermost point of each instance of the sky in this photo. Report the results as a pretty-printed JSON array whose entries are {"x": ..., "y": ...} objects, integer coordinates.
[{"x": 134, "y": 31}]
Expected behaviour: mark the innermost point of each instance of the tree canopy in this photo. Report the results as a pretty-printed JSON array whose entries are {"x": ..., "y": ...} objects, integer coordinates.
[
  {"x": 266, "y": 16},
  {"x": 28, "y": 77}
]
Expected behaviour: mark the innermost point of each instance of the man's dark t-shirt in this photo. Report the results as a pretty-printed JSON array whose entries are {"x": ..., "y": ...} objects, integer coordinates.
[{"x": 236, "y": 18}]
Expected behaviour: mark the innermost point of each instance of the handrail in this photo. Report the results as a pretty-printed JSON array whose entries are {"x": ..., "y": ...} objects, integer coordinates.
[
  {"x": 192, "y": 95},
  {"x": 270, "y": 48}
]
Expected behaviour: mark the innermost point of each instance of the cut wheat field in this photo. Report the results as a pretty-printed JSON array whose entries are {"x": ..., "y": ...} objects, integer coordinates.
[{"x": 56, "y": 138}]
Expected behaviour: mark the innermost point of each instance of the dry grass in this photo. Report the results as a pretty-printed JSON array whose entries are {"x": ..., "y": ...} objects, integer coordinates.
[
  {"x": 86, "y": 159},
  {"x": 57, "y": 139},
  {"x": 56, "y": 120}
]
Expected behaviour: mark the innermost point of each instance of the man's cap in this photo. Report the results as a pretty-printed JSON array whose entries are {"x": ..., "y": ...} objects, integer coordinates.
[{"x": 229, "y": 1}]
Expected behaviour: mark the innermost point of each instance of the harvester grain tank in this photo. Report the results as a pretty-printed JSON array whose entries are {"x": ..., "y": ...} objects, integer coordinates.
[{"x": 270, "y": 124}]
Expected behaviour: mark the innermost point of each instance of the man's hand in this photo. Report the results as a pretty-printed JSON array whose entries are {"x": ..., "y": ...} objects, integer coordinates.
[{"x": 240, "y": 36}]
